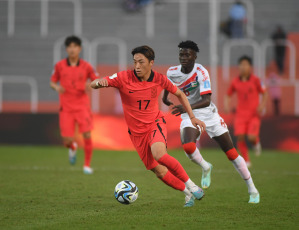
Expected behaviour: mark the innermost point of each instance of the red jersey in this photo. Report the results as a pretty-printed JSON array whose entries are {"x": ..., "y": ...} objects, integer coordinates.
[
  {"x": 248, "y": 95},
  {"x": 140, "y": 98},
  {"x": 73, "y": 80}
]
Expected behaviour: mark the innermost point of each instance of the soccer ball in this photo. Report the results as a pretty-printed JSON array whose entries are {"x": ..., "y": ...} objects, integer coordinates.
[{"x": 126, "y": 192}]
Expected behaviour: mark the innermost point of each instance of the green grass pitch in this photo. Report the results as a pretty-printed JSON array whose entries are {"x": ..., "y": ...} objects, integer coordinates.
[{"x": 40, "y": 190}]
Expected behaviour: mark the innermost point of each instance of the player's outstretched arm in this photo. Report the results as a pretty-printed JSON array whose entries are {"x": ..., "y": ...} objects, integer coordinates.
[
  {"x": 184, "y": 101},
  {"x": 165, "y": 99},
  {"x": 99, "y": 83}
]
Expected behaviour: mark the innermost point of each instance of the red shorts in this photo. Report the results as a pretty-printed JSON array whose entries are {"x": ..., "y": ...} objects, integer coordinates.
[
  {"x": 68, "y": 120},
  {"x": 158, "y": 133},
  {"x": 249, "y": 126}
]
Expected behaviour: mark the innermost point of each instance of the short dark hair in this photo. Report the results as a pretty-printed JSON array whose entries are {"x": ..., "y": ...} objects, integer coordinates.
[
  {"x": 245, "y": 58},
  {"x": 147, "y": 51},
  {"x": 72, "y": 39},
  {"x": 189, "y": 45}
]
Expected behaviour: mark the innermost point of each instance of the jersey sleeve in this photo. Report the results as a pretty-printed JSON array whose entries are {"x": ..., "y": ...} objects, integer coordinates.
[
  {"x": 260, "y": 86},
  {"x": 204, "y": 82},
  {"x": 114, "y": 80},
  {"x": 168, "y": 85},
  {"x": 92, "y": 74},
  {"x": 55, "y": 74},
  {"x": 231, "y": 89}
]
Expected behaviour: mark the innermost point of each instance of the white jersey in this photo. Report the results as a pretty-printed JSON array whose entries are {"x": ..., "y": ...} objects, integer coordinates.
[{"x": 194, "y": 85}]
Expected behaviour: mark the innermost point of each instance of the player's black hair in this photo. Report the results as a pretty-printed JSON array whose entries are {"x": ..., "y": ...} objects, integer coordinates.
[
  {"x": 245, "y": 58},
  {"x": 189, "y": 45},
  {"x": 72, "y": 39},
  {"x": 147, "y": 51}
]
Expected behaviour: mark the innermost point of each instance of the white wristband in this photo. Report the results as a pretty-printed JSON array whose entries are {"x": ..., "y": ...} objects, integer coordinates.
[{"x": 97, "y": 84}]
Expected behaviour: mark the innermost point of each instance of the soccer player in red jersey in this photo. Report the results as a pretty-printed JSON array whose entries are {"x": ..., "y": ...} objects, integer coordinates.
[
  {"x": 249, "y": 108},
  {"x": 194, "y": 80},
  {"x": 140, "y": 89},
  {"x": 73, "y": 75}
]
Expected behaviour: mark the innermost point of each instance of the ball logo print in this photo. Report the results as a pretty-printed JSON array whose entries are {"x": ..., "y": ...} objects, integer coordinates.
[{"x": 126, "y": 192}]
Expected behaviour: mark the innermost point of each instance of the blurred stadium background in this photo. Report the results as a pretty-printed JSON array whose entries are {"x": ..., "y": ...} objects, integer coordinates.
[{"x": 31, "y": 42}]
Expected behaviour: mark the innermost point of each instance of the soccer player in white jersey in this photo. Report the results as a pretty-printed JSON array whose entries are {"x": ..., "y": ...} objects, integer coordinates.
[{"x": 193, "y": 79}]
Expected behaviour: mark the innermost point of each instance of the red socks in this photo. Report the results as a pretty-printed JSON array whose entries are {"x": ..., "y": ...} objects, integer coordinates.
[
  {"x": 243, "y": 149},
  {"x": 173, "y": 181},
  {"x": 174, "y": 167},
  {"x": 232, "y": 154},
  {"x": 87, "y": 151}
]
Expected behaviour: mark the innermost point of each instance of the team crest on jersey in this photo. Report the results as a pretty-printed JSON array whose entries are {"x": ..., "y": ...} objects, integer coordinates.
[{"x": 154, "y": 92}]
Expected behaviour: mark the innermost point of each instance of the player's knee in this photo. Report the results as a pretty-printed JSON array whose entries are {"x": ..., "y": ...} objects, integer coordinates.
[
  {"x": 241, "y": 137},
  {"x": 160, "y": 171},
  {"x": 189, "y": 148},
  {"x": 86, "y": 135},
  {"x": 252, "y": 139}
]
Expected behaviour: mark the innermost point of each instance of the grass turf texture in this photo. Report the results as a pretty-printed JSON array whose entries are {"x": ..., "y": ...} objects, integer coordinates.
[{"x": 40, "y": 190}]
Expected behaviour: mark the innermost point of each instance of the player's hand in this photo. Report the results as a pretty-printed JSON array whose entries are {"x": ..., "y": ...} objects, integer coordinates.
[
  {"x": 167, "y": 102},
  {"x": 200, "y": 125},
  {"x": 59, "y": 89},
  {"x": 99, "y": 83},
  {"x": 178, "y": 110}
]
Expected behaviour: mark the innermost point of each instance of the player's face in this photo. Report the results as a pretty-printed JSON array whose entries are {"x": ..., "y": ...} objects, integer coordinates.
[
  {"x": 73, "y": 50},
  {"x": 187, "y": 58},
  {"x": 244, "y": 68},
  {"x": 142, "y": 65}
]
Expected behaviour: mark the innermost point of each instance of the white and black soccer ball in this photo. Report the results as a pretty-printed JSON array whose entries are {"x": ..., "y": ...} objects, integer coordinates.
[{"x": 126, "y": 192}]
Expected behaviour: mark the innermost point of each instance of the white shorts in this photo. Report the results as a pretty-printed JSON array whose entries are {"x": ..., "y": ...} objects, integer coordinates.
[{"x": 215, "y": 125}]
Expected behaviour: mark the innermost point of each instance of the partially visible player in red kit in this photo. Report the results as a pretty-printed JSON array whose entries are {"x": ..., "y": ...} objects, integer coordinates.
[
  {"x": 249, "y": 109},
  {"x": 140, "y": 89},
  {"x": 73, "y": 75}
]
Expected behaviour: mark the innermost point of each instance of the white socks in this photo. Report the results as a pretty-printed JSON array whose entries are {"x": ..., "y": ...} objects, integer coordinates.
[
  {"x": 197, "y": 158},
  {"x": 191, "y": 186},
  {"x": 240, "y": 165}
]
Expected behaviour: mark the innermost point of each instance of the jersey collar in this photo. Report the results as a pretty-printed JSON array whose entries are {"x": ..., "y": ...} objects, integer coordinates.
[
  {"x": 150, "y": 79},
  {"x": 247, "y": 78},
  {"x": 69, "y": 64}
]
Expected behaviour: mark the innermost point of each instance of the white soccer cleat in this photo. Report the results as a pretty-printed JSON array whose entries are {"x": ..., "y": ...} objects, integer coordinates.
[
  {"x": 258, "y": 149},
  {"x": 254, "y": 198},
  {"x": 73, "y": 154},
  {"x": 87, "y": 170}
]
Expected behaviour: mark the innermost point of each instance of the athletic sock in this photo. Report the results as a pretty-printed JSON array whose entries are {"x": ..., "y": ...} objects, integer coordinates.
[
  {"x": 197, "y": 158},
  {"x": 71, "y": 146},
  {"x": 87, "y": 151},
  {"x": 174, "y": 167},
  {"x": 173, "y": 182},
  {"x": 240, "y": 165},
  {"x": 191, "y": 185},
  {"x": 244, "y": 150}
]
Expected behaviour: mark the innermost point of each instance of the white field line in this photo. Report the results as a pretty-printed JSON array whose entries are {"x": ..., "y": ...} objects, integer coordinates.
[{"x": 117, "y": 169}]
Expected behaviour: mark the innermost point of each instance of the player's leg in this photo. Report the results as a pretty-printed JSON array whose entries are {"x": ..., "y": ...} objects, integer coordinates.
[
  {"x": 84, "y": 120},
  {"x": 160, "y": 154},
  {"x": 169, "y": 179},
  {"x": 253, "y": 135},
  {"x": 67, "y": 129},
  {"x": 240, "y": 127},
  {"x": 239, "y": 163},
  {"x": 87, "y": 152},
  {"x": 189, "y": 136}
]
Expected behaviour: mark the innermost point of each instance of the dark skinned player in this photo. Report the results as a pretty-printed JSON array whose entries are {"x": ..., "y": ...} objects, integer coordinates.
[{"x": 193, "y": 79}]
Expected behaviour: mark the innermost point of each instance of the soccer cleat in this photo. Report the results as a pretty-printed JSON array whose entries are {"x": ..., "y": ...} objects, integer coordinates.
[
  {"x": 258, "y": 149},
  {"x": 206, "y": 177},
  {"x": 73, "y": 154},
  {"x": 198, "y": 194},
  {"x": 189, "y": 201},
  {"x": 87, "y": 170},
  {"x": 254, "y": 198}
]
